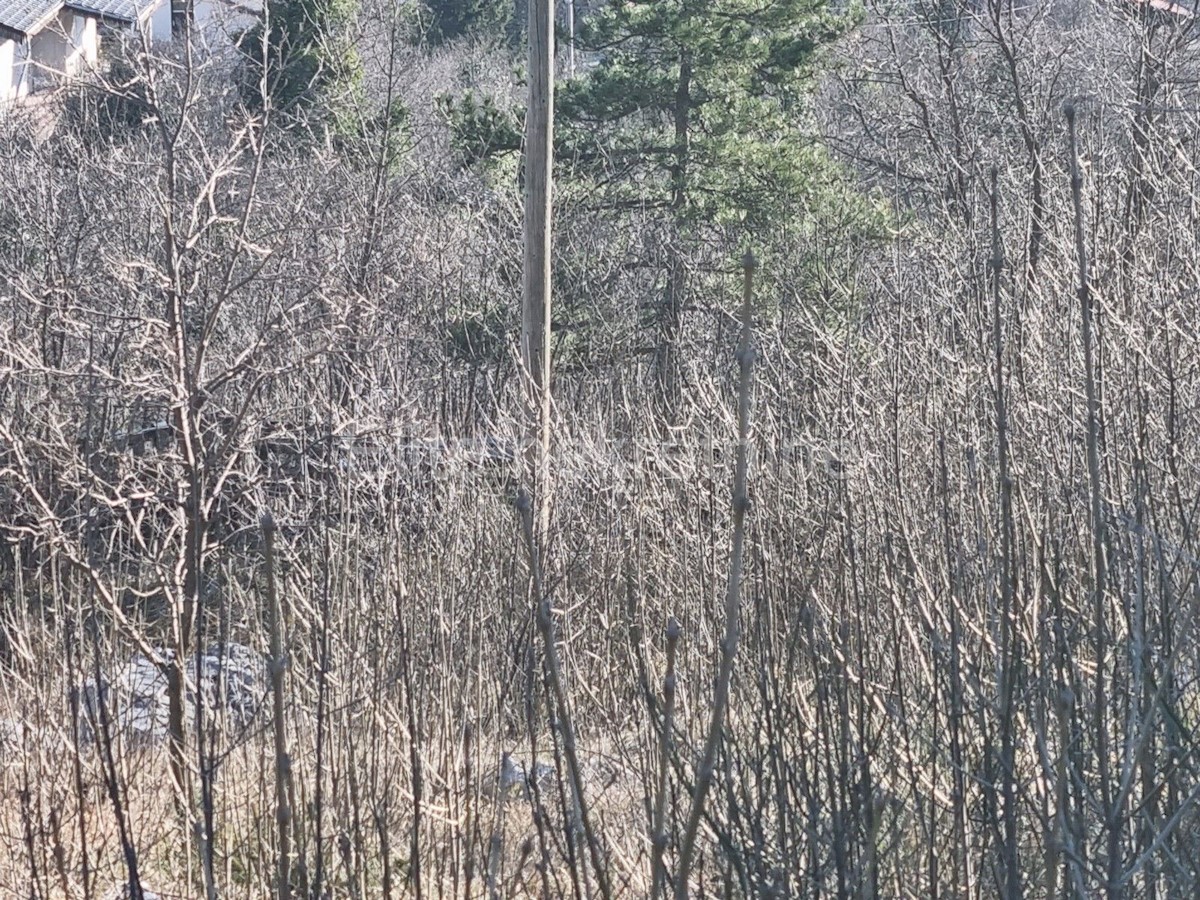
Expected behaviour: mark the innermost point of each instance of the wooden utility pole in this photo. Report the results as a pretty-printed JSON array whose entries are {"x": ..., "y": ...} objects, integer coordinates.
[{"x": 535, "y": 303}]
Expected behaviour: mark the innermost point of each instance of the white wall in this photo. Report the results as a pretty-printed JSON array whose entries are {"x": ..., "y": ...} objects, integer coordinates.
[
  {"x": 10, "y": 69},
  {"x": 22, "y": 71},
  {"x": 85, "y": 37},
  {"x": 49, "y": 52},
  {"x": 160, "y": 22},
  {"x": 66, "y": 46}
]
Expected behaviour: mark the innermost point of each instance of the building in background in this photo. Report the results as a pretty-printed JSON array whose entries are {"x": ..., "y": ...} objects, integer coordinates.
[{"x": 45, "y": 42}]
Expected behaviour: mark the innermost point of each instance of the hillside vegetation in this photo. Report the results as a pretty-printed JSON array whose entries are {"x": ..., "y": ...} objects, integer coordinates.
[{"x": 261, "y": 387}]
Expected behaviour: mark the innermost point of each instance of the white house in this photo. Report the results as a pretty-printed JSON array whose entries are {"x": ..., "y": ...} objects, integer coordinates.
[
  {"x": 39, "y": 42},
  {"x": 219, "y": 22},
  {"x": 43, "y": 42},
  {"x": 151, "y": 17}
]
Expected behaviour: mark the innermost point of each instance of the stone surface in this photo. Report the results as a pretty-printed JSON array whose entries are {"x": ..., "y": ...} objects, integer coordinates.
[
  {"x": 510, "y": 778},
  {"x": 122, "y": 892},
  {"x": 514, "y": 777},
  {"x": 134, "y": 701},
  {"x": 598, "y": 772}
]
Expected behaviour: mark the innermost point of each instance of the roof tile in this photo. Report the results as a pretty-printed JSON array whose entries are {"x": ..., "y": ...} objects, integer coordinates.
[
  {"x": 27, "y": 16},
  {"x": 119, "y": 10}
]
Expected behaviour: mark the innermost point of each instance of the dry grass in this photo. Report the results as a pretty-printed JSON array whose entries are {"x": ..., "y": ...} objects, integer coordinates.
[{"x": 931, "y": 695}]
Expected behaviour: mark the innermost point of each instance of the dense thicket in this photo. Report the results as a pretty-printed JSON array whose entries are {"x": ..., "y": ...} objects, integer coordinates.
[
  {"x": 969, "y": 648},
  {"x": 449, "y": 20}
]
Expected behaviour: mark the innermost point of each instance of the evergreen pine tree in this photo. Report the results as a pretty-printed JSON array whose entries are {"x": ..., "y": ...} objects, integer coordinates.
[
  {"x": 451, "y": 19},
  {"x": 700, "y": 102},
  {"x": 312, "y": 66},
  {"x": 696, "y": 110},
  {"x": 695, "y": 107}
]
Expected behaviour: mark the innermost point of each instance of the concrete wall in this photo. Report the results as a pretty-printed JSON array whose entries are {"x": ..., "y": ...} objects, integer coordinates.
[
  {"x": 160, "y": 22},
  {"x": 66, "y": 46},
  {"x": 85, "y": 36},
  {"x": 13, "y": 82},
  {"x": 49, "y": 51}
]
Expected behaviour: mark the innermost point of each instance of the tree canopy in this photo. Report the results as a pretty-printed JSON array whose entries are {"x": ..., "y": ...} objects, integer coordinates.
[
  {"x": 447, "y": 20},
  {"x": 312, "y": 66},
  {"x": 698, "y": 106}
]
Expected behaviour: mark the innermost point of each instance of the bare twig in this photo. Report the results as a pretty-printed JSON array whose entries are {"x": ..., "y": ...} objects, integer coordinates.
[
  {"x": 283, "y": 761},
  {"x": 666, "y": 751},
  {"x": 545, "y": 622},
  {"x": 733, "y": 593}
]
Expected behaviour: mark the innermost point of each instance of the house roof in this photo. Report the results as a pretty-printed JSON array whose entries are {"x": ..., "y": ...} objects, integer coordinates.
[
  {"x": 27, "y": 16},
  {"x": 115, "y": 10}
]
